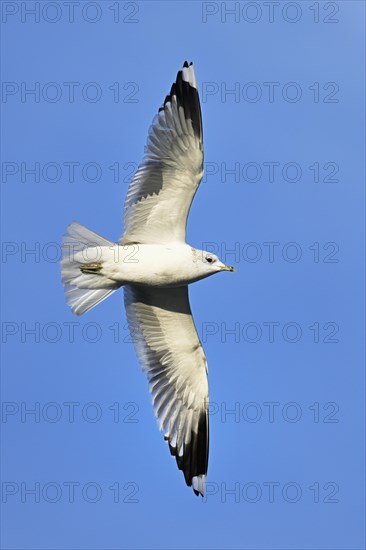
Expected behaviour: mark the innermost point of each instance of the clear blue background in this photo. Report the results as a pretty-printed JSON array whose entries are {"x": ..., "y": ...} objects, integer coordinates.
[{"x": 148, "y": 53}]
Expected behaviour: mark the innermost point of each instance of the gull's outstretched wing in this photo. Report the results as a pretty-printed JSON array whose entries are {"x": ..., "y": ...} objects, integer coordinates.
[
  {"x": 161, "y": 192},
  {"x": 171, "y": 355}
]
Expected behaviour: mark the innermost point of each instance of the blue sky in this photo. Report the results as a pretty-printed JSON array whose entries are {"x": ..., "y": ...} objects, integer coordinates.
[{"x": 282, "y": 100}]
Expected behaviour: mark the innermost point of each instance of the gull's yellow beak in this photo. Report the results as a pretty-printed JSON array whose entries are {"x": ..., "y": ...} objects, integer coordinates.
[{"x": 228, "y": 268}]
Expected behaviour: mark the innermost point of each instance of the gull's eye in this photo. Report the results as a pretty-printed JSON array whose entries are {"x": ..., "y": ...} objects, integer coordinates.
[{"x": 209, "y": 259}]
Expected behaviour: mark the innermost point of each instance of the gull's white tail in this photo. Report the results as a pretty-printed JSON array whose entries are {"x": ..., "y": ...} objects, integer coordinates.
[{"x": 82, "y": 251}]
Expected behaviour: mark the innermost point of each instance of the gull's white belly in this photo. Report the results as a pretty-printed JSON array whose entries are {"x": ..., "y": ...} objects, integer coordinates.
[{"x": 147, "y": 264}]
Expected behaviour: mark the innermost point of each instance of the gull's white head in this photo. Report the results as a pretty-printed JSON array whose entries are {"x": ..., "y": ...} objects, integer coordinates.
[{"x": 208, "y": 263}]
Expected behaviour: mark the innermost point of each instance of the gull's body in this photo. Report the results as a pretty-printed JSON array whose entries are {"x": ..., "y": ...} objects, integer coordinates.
[{"x": 154, "y": 264}]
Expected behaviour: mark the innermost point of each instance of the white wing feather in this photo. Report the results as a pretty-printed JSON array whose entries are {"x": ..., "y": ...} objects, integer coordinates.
[
  {"x": 171, "y": 354},
  {"x": 160, "y": 195}
]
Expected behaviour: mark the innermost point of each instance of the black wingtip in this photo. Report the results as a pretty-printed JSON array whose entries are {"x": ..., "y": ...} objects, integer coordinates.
[
  {"x": 187, "y": 97},
  {"x": 173, "y": 89}
]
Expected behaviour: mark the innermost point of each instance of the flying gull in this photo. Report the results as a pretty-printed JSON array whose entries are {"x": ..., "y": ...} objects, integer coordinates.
[{"x": 154, "y": 264}]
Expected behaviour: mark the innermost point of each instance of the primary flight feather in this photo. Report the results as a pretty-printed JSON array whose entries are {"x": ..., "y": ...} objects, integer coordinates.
[{"x": 154, "y": 264}]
